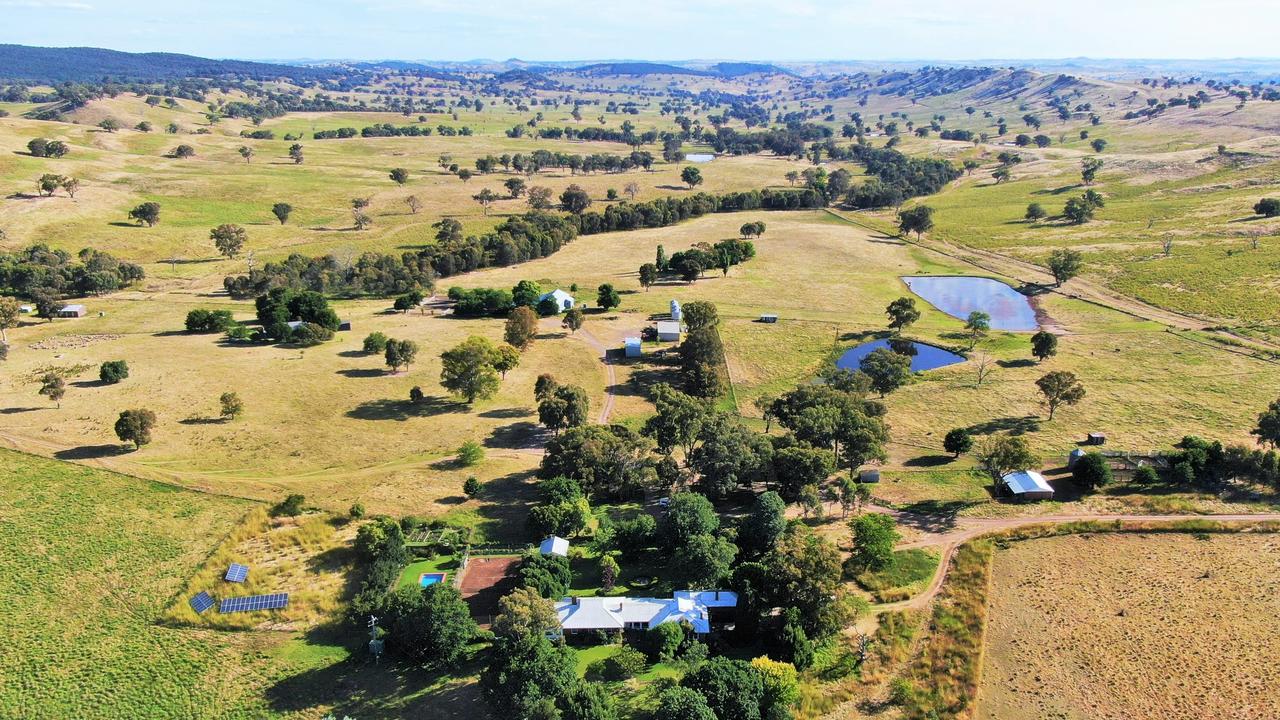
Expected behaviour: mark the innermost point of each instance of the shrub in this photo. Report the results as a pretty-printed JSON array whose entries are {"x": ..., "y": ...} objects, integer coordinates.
[
  {"x": 1091, "y": 471},
  {"x": 1146, "y": 475},
  {"x": 375, "y": 342},
  {"x": 356, "y": 512},
  {"x": 200, "y": 320},
  {"x": 113, "y": 371},
  {"x": 471, "y": 453},
  {"x": 471, "y": 487},
  {"x": 627, "y": 663},
  {"x": 308, "y": 334},
  {"x": 290, "y": 506}
]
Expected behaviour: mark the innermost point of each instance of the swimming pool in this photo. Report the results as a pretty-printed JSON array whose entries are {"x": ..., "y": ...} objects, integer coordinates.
[{"x": 428, "y": 579}]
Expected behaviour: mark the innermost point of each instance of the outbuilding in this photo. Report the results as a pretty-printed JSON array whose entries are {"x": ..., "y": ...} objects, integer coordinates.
[
  {"x": 1027, "y": 485},
  {"x": 1073, "y": 457},
  {"x": 768, "y": 318},
  {"x": 26, "y": 309},
  {"x": 72, "y": 311},
  {"x": 676, "y": 313},
  {"x": 631, "y": 347},
  {"x": 869, "y": 476},
  {"x": 564, "y": 301},
  {"x": 669, "y": 331},
  {"x": 1097, "y": 438},
  {"x": 554, "y": 545}
]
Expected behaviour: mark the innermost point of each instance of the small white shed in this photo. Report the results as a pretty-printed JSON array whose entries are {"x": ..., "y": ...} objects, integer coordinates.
[
  {"x": 669, "y": 331},
  {"x": 72, "y": 311},
  {"x": 631, "y": 346},
  {"x": 564, "y": 301},
  {"x": 554, "y": 545},
  {"x": 1027, "y": 485}
]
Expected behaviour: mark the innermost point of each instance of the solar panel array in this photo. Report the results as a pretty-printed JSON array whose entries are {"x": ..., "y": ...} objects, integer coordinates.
[
  {"x": 251, "y": 603},
  {"x": 237, "y": 573},
  {"x": 201, "y": 602}
]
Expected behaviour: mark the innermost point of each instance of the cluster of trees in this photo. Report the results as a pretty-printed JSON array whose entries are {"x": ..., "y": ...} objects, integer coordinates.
[
  {"x": 371, "y": 274},
  {"x": 560, "y": 406},
  {"x": 662, "y": 212},
  {"x": 281, "y": 305},
  {"x": 542, "y": 159},
  {"x": 562, "y": 510},
  {"x": 516, "y": 240},
  {"x": 389, "y": 130},
  {"x": 471, "y": 369},
  {"x": 48, "y": 184},
  {"x": 624, "y": 135},
  {"x": 899, "y": 177},
  {"x": 44, "y": 148},
  {"x": 691, "y": 264},
  {"x": 702, "y": 363},
  {"x": 46, "y": 275},
  {"x": 1080, "y": 210}
]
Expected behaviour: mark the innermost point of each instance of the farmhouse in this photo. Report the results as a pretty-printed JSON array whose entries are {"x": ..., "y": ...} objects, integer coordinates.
[
  {"x": 1027, "y": 485},
  {"x": 701, "y": 609},
  {"x": 72, "y": 311},
  {"x": 554, "y": 546},
  {"x": 564, "y": 301},
  {"x": 669, "y": 331}
]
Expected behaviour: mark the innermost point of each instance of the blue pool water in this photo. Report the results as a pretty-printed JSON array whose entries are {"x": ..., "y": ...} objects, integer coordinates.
[
  {"x": 923, "y": 357},
  {"x": 430, "y": 579},
  {"x": 958, "y": 296}
]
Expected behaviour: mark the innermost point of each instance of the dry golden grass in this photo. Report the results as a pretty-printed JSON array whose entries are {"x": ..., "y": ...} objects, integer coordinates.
[
  {"x": 307, "y": 557},
  {"x": 1126, "y": 626}
]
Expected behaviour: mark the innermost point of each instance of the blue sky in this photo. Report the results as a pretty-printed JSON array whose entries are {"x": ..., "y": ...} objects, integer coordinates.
[{"x": 653, "y": 29}]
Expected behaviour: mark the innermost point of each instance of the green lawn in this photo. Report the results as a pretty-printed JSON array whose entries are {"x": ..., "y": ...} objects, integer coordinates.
[
  {"x": 443, "y": 563},
  {"x": 88, "y": 561},
  {"x": 907, "y": 574}
]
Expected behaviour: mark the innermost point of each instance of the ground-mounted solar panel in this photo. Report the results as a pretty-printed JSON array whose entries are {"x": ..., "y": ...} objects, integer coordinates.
[
  {"x": 201, "y": 602},
  {"x": 252, "y": 603},
  {"x": 237, "y": 573}
]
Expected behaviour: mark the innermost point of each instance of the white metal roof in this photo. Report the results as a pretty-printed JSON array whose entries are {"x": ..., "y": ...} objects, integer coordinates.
[
  {"x": 559, "y": 295},
  {"x": 631, "y": 341},
  {"x": 72, "y": 308},
  {"x": 554, "y": 546},
  {"x": 1026, "y": 481},
  {"x": 668, "y": 327},
  {"x": 614, "y": 613}
]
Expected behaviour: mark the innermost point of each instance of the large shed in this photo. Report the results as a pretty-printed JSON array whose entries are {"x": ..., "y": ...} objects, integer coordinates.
[
  {"x": 1027, "y": 485},
  {"x": 72, "y": 311},
  {"x": 668, "y": 331}
]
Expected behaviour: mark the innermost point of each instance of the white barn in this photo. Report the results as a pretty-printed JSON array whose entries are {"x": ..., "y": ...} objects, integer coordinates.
[
  {"x": 564, "y": 301},
  {"x": 590, "y": 614},
  {"x": 1027, "y": 485},
  {"x": 554, "y": 546}
]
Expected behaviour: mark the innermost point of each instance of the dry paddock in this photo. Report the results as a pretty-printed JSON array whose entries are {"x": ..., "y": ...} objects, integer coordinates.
[{"x": 1111, "y": 627}]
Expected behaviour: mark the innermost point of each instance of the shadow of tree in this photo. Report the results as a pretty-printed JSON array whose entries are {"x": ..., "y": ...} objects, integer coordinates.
[
  {"x": 388, "y": 409},
  {"x": 16, "y": 410},
  {"x": 362, "y": 372},
  {"x": 929, "y": 461},
  {"x": 1011, "y": 425},
  {"x": 507, "y": 413},
  {"x": 89, "y": 384},
  {"x": 1020, "y": 363},
  {"x": 90, "y": 452},
  {"x": 522, "y": 435}
]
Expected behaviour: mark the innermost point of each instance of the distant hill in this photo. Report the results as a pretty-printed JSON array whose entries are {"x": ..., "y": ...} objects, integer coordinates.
[
  {"x": 42, "y": 64},
  {"x": 738, "y": 69},
  {"x": 638, "y": 68}
]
